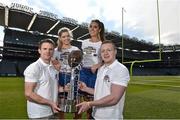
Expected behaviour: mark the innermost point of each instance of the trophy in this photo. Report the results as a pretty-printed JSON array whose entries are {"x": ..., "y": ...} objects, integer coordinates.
[{"x": 71, "y": 97}]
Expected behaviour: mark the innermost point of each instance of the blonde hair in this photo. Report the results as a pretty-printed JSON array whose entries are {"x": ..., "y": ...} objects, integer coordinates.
[{"x": 60, "y": 31}]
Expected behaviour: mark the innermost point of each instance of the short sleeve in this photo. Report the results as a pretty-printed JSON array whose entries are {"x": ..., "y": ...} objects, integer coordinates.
[
  {"x": 120, "y": 76},
  {"x": 32, "y": 73}
]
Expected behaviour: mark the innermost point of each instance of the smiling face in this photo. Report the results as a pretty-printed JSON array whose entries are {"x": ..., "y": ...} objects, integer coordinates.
[
  {"x": 65, "y": 38},
  {"x": 94, "y": 29},
  {"x": 46, "y": 51},
  {"x": 108, "y": 53}
]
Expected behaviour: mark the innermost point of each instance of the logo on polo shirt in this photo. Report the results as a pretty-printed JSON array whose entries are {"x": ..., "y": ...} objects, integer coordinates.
[{"x": 106, "y": 78}]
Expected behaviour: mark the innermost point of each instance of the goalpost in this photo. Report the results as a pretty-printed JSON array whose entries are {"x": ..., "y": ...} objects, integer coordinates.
[{"x": 143, "y": 61}]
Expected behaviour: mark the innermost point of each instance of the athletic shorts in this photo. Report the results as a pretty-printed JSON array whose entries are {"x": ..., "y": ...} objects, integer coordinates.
[
  {"x": 88, "y": 77},
  {"x": 64, "y": 78}
]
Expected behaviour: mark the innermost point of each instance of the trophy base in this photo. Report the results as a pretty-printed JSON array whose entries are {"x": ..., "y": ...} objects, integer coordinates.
[{"x": 68, "y": 106}]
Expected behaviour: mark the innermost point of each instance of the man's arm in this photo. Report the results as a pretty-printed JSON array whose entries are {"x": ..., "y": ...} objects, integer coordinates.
[
  {"x": 117, "y": 92},
  {"x": 83, "y": 87},
  {"x": 31, "y": 96}
]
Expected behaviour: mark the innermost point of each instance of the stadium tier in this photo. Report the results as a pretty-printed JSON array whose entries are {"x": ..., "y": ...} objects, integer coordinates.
[{"x": 24, "y": 28}]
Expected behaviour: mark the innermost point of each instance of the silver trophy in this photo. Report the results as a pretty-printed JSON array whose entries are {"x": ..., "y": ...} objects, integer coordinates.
[{"x": 71, "y": 97}]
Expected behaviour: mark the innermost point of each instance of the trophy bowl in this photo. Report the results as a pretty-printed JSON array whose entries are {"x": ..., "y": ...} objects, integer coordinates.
[{"x": 75, "y": 58}]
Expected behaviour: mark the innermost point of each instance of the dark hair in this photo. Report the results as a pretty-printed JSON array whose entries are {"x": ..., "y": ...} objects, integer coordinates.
[
  {"x": 47, "y": 40},
  {"x": 109, "y": 42},
  {"x": 101, "y": 26},
  {"x": 60, "y": 31}
]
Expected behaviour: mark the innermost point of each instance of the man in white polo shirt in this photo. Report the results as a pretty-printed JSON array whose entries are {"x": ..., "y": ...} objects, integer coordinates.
[
  {"x": 109, "y": 93},
  {"x": 41, "y": 88}
]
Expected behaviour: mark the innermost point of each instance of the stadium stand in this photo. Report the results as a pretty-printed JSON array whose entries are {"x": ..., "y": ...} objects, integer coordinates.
[
  {"x": 21, "y": 66},
  {"x": 8, "y": 68},
  {"x": 24, "y": 29}
]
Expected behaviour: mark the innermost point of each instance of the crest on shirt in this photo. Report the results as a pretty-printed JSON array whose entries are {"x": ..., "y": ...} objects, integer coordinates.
[
  {"x": 89, "y": 50},
  {"x": 64, "y": 57},
  {"x": 106, "y": 78}
]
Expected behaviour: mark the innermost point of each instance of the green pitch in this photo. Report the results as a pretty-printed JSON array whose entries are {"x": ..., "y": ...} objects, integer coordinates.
[
  {"x": 152, "y": 97},
  {"x": 147, "y": 97}
]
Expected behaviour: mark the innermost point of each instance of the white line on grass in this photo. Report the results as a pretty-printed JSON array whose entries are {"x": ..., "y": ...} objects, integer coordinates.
[
  {"x": 171, "y": 81},
  {"x": 155, "y": 85}
]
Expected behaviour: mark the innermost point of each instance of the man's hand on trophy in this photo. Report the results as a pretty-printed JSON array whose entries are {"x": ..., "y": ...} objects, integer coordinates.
[
  {"x": 82, "y": 86},
  {"x": 84, "y": 106},
  {"x": 56, "y": 64},
  {"x": 67, "y": 87},
  {"x": 54, "y": 107},
  {"x": 61, "y": 89}
]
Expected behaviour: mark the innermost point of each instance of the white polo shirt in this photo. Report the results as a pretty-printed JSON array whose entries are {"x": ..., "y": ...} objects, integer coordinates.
[
  {"x": 115, "y": 73},
  {"x": 47, "y": 87}
]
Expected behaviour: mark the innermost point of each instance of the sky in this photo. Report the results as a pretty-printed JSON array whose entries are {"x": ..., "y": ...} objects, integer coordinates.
[{"x": 139, "y": 16}]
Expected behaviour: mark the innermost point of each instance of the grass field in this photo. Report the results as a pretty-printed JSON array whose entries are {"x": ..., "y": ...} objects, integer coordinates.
[{"x": 147, "y": 97}]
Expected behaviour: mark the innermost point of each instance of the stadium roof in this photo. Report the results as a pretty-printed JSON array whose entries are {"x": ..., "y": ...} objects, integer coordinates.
[
  {"x": 22, "y": 17},
  {"x": 2, "y": 15}
]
